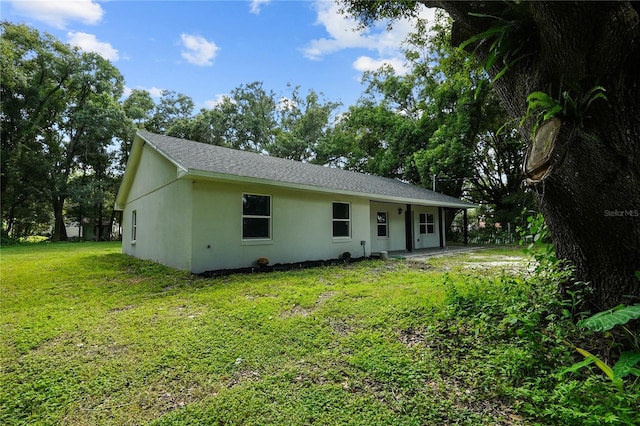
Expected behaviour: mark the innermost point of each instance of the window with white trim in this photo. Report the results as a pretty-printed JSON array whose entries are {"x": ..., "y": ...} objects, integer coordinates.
[
  {"x": 256, "y": 217},
  {"x": 427, "y": 224},
  {"x": 383, "y": 224},
  {"x": 134, "y": 225},
  {"x": 341, "y": 220}
]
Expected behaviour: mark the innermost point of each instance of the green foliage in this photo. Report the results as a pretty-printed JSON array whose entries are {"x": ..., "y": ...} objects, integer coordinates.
[
  {"x": 603, "y": 322},
  {"x": 61, "y": 113},
  {"x": 509, "y": 40},
  {"x": 304, "y": 125},
  {"x": 170, "y": 115},
  {"x": 97, "y": 337},
  {"x": 544, "y": 104},
  {"x": 441, "y": 118},
  {"x": 552, "y": 272},
  {"x": 510, "y": 336},
  {"x": 572, "y": 105},
  {"x": 537, "y": 238},
  {"x": 510, "y": 37},
  {"x": 626, "y": 365},
  {"x": 368, "y": 12},
  {"x": 252, "y": 118},
  {"x": 606, "y": 320}
]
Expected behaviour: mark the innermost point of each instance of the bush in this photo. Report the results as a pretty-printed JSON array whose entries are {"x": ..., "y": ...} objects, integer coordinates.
[{"x": 518, "y": 337}]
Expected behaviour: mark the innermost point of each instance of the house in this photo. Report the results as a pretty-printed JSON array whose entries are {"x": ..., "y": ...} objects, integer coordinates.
[{"x": 201, "y": 207}]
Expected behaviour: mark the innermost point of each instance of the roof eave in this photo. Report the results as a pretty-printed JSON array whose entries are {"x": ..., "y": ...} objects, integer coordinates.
[
  {"x": 215, "y": 176},
  {"x": 129, "y": 173},
  {"x": 181, "y": 169}
]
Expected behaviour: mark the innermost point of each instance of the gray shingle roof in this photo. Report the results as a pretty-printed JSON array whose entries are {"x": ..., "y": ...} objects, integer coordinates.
[{"x": 202, "y": 159}]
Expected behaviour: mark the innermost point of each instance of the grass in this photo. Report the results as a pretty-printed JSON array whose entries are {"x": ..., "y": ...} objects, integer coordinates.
[{"x": 91, "y": 336}]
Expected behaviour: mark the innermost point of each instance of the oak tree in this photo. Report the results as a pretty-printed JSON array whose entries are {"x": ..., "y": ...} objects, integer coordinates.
[{"x": 572, "y": 71}]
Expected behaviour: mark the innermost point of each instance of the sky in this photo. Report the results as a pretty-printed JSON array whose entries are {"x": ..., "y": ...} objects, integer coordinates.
[{"x": 206, "y": 48}]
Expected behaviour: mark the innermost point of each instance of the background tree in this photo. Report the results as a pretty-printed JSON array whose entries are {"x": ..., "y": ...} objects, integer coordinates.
[
  {"x": 171, "y": 113},
  {"x": 440, "y": 119},
  {"x": 138, "y": 107},
  {"x": 34, "y": 70},
  {"x": 587, "y": 184},
  {"x": 87, "y": 126},
  {"x": 60, "y": 114},
  {"x": 245, "y": 119},
  {"x": 254, "y": 117},
  {"x": 304, "y": 123}
]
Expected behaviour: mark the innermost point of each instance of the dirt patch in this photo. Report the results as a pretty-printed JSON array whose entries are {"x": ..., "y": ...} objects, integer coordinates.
[
  {"x": 297, "y": 311},
  {"x": 243, "y": 376},
  {"x": 300, "y": 311},
  {"x": 411, "y": 337},
  {"x": 280, "y": 267},
  {"x": 418, "y": 264},
  {"x": 513, "y": 264},
  {"x": 466, "y": 399},
  {"x": 122, "y": 309},
  {"x": 341, "y": 327}
]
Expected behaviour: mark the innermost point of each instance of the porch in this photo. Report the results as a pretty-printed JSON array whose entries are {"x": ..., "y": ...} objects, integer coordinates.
[{"x": 418, "y": 254}]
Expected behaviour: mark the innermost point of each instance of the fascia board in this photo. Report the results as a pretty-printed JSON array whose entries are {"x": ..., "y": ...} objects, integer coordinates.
[
  {"x": 137, "y": 147},
  {"x": 213, "y": 176},
  {"x": 129, "y": 173},
  {"x": 180, "y": 167}
]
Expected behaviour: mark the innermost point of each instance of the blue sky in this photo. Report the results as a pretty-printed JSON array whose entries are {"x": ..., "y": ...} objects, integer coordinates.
[{"x": 206, "y": 48}]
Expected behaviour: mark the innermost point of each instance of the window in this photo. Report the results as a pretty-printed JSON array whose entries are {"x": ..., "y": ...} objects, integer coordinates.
[
  {"x": 341, "y": 220},
  {"x": 134, "y": 225},
  {"x": 427, "y": 225},
  {"x": 430, "y": 224},
  {"x": 256, "y": 216},
  {"x": 383, "y": 225}
]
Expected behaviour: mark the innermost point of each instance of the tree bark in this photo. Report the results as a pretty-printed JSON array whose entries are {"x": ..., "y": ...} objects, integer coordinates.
[
  {"x": 591, "y": 198},
  {"x": 59, "y": 228}
]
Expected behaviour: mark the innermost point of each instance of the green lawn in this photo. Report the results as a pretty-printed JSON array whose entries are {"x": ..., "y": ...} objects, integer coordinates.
[{"x": 91, "y": 336}]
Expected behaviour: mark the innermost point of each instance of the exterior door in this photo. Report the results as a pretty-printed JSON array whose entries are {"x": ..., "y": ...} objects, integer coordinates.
[{"x": 426, "y": 228}]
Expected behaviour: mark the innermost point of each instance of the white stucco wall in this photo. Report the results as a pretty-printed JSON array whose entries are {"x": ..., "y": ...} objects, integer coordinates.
[
  {"x": 163, "y": 211},
  {"x": 301, "y": 227},
  {"x": 196, "y": 225}
]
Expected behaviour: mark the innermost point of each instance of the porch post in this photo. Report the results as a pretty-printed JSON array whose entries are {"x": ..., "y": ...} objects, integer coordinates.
[
  {"x": 408, "y": 228},
  {"x": 441, "y": 225},
  {"x": 465, "y": 222}
]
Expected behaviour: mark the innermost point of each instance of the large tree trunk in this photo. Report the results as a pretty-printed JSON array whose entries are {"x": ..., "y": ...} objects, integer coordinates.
[
  {"x": 591, "y": 196},
  {"x": 59, "y": 228}
]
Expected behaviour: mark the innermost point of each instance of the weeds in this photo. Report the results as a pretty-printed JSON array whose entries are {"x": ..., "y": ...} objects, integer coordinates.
[{"x": 96, "y": 337}]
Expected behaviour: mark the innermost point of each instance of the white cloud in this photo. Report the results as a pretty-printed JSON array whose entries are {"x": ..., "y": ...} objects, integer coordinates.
[
  {"x": 59, "y": 13},
  {"x": 199, "y": 51},
  {"x": 153, "y": 91},
  {"x": 89, "y": 43},
  {"x": 366, "y": 63},
  {"x": 286, "y": 104},
  {"x": 343, "y": 34},
  {"x": 212, "y": 103},
  {"x": 256, "y": 5}
]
